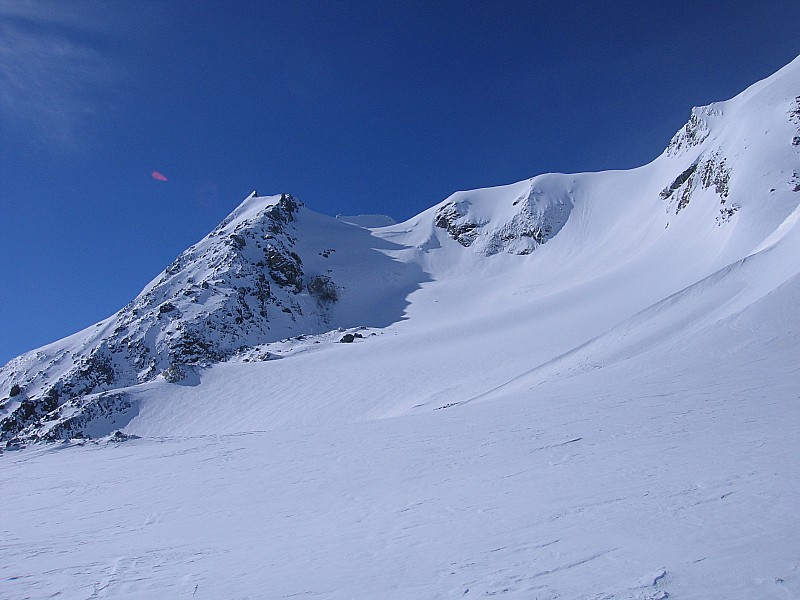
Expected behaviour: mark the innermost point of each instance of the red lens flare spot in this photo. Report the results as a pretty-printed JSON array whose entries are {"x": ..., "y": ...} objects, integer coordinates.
[{"x": 158, "y": 176}]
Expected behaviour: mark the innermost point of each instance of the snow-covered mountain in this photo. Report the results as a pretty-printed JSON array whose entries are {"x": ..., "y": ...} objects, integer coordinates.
[
  {"x": 270, "y": 270},
  {"x": 602, "y": 244},
  {"x": 587, "y": 316}
]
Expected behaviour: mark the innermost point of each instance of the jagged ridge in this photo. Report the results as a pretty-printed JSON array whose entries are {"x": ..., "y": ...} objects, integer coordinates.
[{"x": 225, "y": 293}]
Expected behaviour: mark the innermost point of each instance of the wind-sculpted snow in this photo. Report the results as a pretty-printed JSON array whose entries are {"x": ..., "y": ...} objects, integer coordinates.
[{"x": 535, "y": 217}]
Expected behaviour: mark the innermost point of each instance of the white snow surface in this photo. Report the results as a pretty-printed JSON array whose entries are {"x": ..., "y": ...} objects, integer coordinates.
[
  {"x": 367, "y": 221},
  {"x": 576, "y": 386}
]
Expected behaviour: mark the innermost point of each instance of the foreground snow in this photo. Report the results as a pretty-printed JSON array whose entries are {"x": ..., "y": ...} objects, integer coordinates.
[{"x": 688, "y": 489}]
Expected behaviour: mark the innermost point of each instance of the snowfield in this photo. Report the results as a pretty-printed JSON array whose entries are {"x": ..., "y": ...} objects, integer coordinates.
[
  {"x": 576, "y": 386},
  {"x": 687, "y": 489}
]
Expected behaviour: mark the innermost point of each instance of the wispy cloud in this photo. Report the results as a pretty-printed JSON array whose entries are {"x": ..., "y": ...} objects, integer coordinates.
[
  {"x": 86, "y": 15},
  {"x": 50, "y": 77}
]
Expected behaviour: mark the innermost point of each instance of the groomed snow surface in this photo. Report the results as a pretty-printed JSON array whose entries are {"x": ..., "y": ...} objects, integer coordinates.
[{"x": 607, "y": 413}]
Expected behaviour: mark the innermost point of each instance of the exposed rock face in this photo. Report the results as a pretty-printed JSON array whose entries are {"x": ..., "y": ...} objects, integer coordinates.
[
  {"x": 225, "y": 293},
  {"x": 707, "y": 172},
  {"x": 453, "y": 218},
  {"x": 535, "y": 218},
  {"x": 794, "y": 117},
  {"x": 286, "y": 269},
  {"x": 694, "y": 132},
  {"x": 794, "y": 181},
  {"x": 323, "y": 288},
  {"x": 794, "y": 112},
  {"x": 79, "y": 416}
]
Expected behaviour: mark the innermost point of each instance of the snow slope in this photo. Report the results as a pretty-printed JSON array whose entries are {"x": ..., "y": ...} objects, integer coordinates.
[{"x": 575, "y": 386}]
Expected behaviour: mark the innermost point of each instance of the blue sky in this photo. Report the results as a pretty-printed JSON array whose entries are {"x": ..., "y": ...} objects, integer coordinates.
[{"x": 355, "y": 107}]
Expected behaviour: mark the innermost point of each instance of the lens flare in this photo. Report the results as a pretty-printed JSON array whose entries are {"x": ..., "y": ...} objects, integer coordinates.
[{"x": 158, "y": 176}]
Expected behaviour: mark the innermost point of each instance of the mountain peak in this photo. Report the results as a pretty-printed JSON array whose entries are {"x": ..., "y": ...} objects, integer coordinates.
[{"x": 726, "y": 187}]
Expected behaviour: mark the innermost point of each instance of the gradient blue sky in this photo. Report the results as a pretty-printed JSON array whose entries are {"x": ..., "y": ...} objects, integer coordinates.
[{"x": 355, "y": 107}]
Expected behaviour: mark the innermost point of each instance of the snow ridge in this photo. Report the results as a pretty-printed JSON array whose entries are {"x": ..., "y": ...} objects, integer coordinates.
[{"x": 726, "y": 185}]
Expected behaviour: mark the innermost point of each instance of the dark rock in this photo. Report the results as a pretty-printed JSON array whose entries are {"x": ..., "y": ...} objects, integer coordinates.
[
  {"x": 323, "y": 288},
  {"x": 282, "y": 213},
  {"x": 679, "y": 181},
  {"x": 15, "y": 390},
  {"x": 121, "y": 436},
  {"x": 714, "y": 172},
  {"x": 711, "y": 171},
  {"x": 285, "y": 270},
  {"x": 50, "y": 400},
  {"x": 166, "y": 307},
  {"x": 347, "y": 338},
  {"x": 104, "y": 407},
  {"x": 726, "y": 212},
  {"x": 26, "y": 410},
  {"x": 539, "y": 234},
  {"x": 174, "y": 373},
  {"x": 15, "y": 444},
  {"x": 693, "y": 133},
  {"x": 450, "y": 218},
  {"x": 190, "y": 348}
]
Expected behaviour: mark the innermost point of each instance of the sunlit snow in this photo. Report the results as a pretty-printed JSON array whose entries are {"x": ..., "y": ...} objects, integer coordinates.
[{"x": 576, "y": 386}]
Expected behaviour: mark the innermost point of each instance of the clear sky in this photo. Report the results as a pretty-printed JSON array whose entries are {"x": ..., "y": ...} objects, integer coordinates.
[{"x": 355, "y": 107}]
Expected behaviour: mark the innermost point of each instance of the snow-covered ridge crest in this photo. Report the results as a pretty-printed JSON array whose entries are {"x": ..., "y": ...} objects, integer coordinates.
[
  {"x": 514, "y": 219},
  {"x": 695, "y": 131}
]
